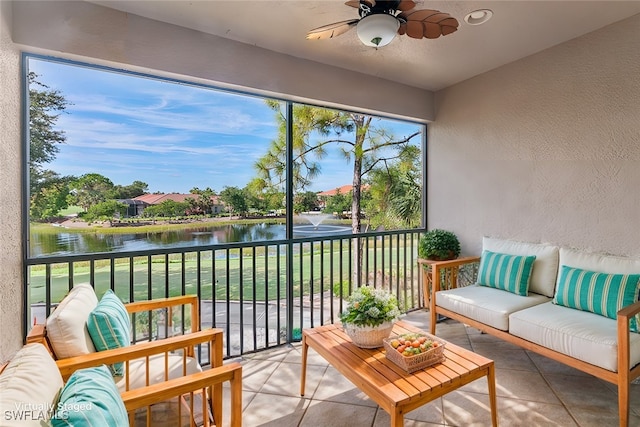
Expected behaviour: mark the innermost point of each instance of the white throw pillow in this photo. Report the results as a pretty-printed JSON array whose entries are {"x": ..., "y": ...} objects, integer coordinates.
[
  {"x": 29, "y": 387},
  {"x": 67, "y": 325},
  {"x": 545, "y": 267}
]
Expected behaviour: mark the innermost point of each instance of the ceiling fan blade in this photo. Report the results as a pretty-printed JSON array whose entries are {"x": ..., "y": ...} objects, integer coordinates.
[
  {"x": 356, "y": 3},
  {"x": 415, "y": 29},
  {"x": 433, "y": 23},
  {"x": 331, "y": 30},
  {"x": 449, "y": 22},
  {"x": 406, "y": 5},
  {"x": 420, "y": 14},
  {"x": 431, "y": 30},
  {"x": 448, "y": 30},
  {"x": 438, "y": 17},
  {"x": 449, "y": 25}
]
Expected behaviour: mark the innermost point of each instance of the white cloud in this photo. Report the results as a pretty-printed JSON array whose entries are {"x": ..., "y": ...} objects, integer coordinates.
[{"x": 172, "y": 136}]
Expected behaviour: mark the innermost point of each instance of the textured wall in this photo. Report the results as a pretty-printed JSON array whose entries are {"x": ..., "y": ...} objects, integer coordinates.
[
  {"x": 10, "y": 193},
  {"x": 545, "y": 148},
  {"x": 85, "y": 29}
]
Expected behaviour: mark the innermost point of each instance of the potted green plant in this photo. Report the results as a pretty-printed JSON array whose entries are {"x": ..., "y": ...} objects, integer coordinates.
[
  {"x": 438, "y": 245},
  {"x": 369, "y": 316}
]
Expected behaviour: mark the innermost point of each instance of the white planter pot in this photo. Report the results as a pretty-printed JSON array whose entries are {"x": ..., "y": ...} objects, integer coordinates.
[{"x": 368, "y": 336}]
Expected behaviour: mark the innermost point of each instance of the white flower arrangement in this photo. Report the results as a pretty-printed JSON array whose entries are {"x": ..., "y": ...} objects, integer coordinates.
[{"x": 370, "y": 307}]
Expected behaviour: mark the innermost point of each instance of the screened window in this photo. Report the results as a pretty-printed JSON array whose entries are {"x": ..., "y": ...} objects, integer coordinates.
[{"x": 121, "y": 161}]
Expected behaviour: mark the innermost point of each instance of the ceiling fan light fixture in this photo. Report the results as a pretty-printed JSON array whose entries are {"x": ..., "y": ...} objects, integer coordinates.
[
  {"x": 478, "y": 17},
  {"x": 378, "y": 29}
]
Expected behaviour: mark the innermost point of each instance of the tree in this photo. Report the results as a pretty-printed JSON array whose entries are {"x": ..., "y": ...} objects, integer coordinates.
[
  {"x": 44, "y": 110},
  {"x": 133, "y": 190},
  {"x": 235, "y": 199},
  {"x": 168, "y": 208},
  {"x": 339, "y": 202},
  {"x": 255, "y": 195},
  {"x": 106, "y": 210},
  {"x": 271, "y": 167},
  {"x": 406, "y": 199},
  {"x": 395, "y": 189},
  {"x": 305, "y": 202},
  {"x": 364, "y": 144},
  {"x": 358, "y": 138},
  {"x": 205, "y": 200},
  {"x": 50, "y": 196},
  {"x": 90, "y": 189},
  {"x": 45, "y": 107},
  {"x": 263, "y": 197}
]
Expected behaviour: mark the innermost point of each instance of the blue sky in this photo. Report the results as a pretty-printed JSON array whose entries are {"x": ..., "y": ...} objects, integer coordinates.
[{"x": 172, "y": 136}]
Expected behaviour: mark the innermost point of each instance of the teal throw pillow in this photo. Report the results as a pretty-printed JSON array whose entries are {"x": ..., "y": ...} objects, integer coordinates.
[
  {"x": 510, "y": 273},
  {"x": 90, "y": 398},
  {"x": 109, "y": 326},
  {"x": 600, "y": 293}
]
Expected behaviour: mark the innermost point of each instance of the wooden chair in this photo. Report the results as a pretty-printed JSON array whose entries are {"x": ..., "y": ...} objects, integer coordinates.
[
  {"x": 193, "y": 385},
  {"x": 38, "y": 332},
  {"x": 167, "y": 353}
]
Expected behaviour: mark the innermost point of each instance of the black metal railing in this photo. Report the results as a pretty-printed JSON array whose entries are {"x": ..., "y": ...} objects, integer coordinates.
[{"x": 260, "y": 293}]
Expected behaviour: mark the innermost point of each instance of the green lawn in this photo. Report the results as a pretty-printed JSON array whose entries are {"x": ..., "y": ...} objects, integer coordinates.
[
  {"x": 71, "y": 210},
  {"x": 267, "y": 280}
]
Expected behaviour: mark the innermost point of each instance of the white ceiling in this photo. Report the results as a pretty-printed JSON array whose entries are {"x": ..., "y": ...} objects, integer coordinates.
[{"x": 517, "y": 29}]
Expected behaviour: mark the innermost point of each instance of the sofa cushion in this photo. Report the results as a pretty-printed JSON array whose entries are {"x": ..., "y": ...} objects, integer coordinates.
[
  {"x": 31, "y": 378},
  {"x": 138, "y": 371},
  {"x": 109, "y": 326},
  {"x": 600, "y": 293},
  {"x": 90, "y": 398},
  {"x": 599, "y": 262},
  {"x": 545, "y": 267},
  {"x": 507, "y": 272},
  {"x": 580, "y": 334},
  {"x": 486, "y": 305},
  {"x": 67, "y": 325}
]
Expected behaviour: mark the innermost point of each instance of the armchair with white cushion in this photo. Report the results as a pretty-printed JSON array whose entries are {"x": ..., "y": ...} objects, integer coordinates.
[{"x": 83, "y": 332}]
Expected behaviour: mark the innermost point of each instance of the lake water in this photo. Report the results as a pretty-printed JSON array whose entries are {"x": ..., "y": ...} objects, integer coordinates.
[{"x": 66, "y": 243}]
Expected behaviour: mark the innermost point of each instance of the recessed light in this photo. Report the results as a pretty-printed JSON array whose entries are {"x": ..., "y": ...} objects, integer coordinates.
[{"x": 478, "y": 17}]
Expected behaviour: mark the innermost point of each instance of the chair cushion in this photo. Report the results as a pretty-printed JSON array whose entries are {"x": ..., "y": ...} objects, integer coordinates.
[
  {"x": 599, "y": 293},
  {"x": 90, "y": 398},
  {"x": 507, "y": 272},
  {"x": 545, "y": 267},
  {"x": 67, "y": 325},
  {"x": 486, "y": 305},
  {"x": 599, "y": 262},
  {"x": 138, "y": 370},
  {"x": 109, "y": 326},
  {"x": 580, "y": 334},
  {"x": 31, "y": 381}
]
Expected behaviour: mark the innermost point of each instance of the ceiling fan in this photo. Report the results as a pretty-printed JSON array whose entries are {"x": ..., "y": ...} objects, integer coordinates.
[{"x": 381, "y": 20}]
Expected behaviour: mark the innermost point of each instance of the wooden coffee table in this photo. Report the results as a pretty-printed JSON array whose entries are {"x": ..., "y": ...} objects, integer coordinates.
[{"x": 392, "y": 388}]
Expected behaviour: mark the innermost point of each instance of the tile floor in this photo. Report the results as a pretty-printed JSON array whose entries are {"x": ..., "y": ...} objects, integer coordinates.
[{"x": 532, "y": 391}]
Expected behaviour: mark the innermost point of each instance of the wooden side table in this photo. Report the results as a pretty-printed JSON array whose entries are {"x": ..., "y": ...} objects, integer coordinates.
[
  {"x": 432, "y": 272},
  {"x": 446, "y": 270}
]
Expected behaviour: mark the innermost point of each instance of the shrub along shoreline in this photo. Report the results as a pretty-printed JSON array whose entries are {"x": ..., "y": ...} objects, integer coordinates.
[{"x": 143, "y": 226}]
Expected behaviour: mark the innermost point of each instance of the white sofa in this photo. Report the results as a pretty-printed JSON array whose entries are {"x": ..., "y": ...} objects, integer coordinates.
[{"x": 551, "y": 324}]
